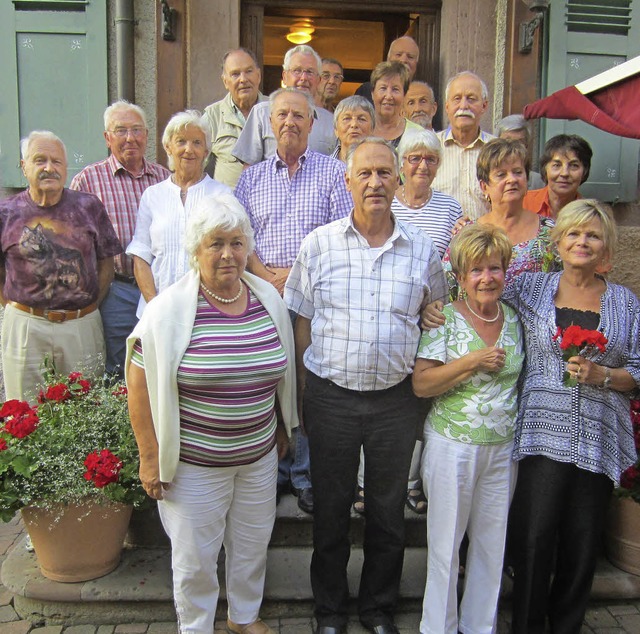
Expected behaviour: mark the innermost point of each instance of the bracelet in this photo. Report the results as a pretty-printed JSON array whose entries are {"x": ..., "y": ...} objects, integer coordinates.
[{"x": 607, "y": 379}]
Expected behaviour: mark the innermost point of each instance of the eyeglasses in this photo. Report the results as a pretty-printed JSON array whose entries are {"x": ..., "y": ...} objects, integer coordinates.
[
  {"x": 416, "y": 159},
  {"x": 136, "y": 132},
  {"x": 334, "y": 76},
  {"x": 299, "y": 72}
]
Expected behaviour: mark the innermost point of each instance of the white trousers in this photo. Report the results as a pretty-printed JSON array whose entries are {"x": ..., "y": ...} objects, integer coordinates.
[
  {"x": 469, "y": 488},
  {"x": 204, "y": 508},
  {"x": 26, "y": 339}
]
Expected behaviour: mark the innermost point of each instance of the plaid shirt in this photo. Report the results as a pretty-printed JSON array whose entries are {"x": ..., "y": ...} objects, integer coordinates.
[
  {"x": 120, "y": 193},
  {"x": 364, "y": 303},
  {"x": 284, "y": 210}
]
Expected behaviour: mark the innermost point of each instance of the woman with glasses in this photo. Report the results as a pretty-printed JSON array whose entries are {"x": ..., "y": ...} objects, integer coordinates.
[{"x": 415, "y": 202}]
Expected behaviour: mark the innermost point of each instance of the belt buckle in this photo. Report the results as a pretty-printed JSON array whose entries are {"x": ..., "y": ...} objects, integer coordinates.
[{"x": 55, "y": 316}]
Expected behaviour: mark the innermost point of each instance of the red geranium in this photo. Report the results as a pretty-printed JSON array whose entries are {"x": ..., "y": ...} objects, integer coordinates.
[
  {"x": 103, "y": 467},
  {"x": 121, "y": 391},
  {"x": 14, "y": 407},
  {"x": 575, "y": 340},
  {"x": 3, "y": 444},
  {"x": 22, "y": 426},
  {"x": 75, "y": 378},
  {"x": 57, "y": 393}
]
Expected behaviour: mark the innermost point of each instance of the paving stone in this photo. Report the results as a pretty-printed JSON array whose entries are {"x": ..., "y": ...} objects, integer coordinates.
[
  {"x": 163, "y": 628},
  {"x": 8, "y": 614},
  {"x": 619, "y": 610},
  {"x": 47, "y": 629},
  {"x": 16, "y": 627},
  {"x": 106, "y": 629},
  {"x": 609, "y": 630},
  {"x": 631, "y": 622},
  {"x": 599, "y": 617},
  {"x": 80, "y": 629},
  {"x": 5, "y": 596},
  {"x": 131, "y": 628}
]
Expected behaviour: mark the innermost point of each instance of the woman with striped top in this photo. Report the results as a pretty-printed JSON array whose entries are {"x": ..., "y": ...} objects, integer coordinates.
[{"x": 204, "y": 366}]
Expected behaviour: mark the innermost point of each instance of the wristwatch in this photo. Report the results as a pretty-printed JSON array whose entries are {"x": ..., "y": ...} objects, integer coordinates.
[{"x": 607, "y": 379}]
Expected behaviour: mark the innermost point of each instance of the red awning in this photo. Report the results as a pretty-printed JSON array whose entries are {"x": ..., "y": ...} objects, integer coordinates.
[{"x": 613, "y": 109}]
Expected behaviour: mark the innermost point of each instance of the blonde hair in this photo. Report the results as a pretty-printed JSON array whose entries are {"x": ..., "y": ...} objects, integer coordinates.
[
  {"x": 476, "y": 242},
  {"x": 582, "y": 211}
]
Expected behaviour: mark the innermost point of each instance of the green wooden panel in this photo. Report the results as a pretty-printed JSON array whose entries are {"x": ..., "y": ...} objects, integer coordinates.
[
  {"x": 573, "y": 57},
  {"x": 56, "y": 79}
]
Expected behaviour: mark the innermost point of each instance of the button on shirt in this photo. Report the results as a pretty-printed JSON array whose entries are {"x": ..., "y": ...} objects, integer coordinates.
[
  {"x": 120, "y": 192},
  {"x": 226, "y": 121},
  {"x": 457, "y": 173},
  {"x": 257, "y": 142},
  {"x": 364, "y": 303},
  {"x": 284, "y": 210}
]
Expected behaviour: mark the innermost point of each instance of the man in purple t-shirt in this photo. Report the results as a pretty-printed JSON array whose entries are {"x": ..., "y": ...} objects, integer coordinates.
[{"x": 56, "y": 264}]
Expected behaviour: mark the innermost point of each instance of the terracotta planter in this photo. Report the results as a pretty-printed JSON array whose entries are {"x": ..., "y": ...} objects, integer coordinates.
[
  {"x": 622, "y": 535},
  {"x": 77, "y": 542}
]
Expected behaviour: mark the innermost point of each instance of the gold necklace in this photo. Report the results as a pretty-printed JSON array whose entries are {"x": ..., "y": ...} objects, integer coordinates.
[{"x": 222, "y": 300}]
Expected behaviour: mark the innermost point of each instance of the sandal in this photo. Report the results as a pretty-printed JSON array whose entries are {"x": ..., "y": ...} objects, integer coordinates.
[
  {"x": 358, "y": 501},
  {"x": 417, "y": 501}
]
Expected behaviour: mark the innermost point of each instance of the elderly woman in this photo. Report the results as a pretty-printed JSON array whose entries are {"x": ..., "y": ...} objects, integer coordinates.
[
  {"x": 353, "y": 120},
  {"x": 159, "y": 256},
  {"x": 204, "y": 366},
  {"x": 415, "y": 202},
  {"x": 565, "y": 164},
  {"x": 572, "y": 443},
  {"x": 390, "y": 81},
  {"x": 516, "y": 128},
  {"x": 471, "y": 366},
  {"x": 502, "y": 170}
]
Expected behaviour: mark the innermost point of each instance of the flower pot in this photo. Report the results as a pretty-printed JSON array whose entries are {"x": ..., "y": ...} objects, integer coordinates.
[
  {"x": 622, "y": 535},
  {"x": 77, "y": 542}
]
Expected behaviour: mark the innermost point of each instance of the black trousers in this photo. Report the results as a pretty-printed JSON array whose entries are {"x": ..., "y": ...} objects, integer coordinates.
[
  {"x": 339, "y": 422},
  {"x": 555, "y": 526}
]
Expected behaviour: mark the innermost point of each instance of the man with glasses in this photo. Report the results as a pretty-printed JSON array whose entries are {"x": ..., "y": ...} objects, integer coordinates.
[
  {"x": 118, "y": 181},
  {"x": 331, "y": 79},
  {"x": 301, "y": 70}
]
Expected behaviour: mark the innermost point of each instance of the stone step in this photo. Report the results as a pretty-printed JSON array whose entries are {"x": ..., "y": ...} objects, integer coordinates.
[{"x": 139, "y": 590}]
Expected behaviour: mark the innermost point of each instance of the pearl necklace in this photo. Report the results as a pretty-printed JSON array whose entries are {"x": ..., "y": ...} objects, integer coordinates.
[
  {"x": 222, "y": 300},
  {"x": 414, "y": 206},
  {"x": 488, "y": 321}
]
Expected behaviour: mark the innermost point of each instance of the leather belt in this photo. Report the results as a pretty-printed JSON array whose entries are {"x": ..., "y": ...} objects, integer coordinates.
[
  {"x": 56, "y": 316},
  {"x": 126, "y": 279}
]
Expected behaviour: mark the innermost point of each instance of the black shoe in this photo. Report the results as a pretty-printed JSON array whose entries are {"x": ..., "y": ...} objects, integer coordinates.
[
  {"x": 385, "y": 628},
  {"x": 281, "y": 490},
  {"x": 305, "y": 499},
  {"x": 328, "y": 629}
]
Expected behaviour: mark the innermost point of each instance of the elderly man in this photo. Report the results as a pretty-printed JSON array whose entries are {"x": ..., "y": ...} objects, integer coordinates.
[
  {"x": 405, "y": 50},
  {"x": 466, "y": 100},
  {"x": 57, "y": 248},
  {"x": 331, "y": 79},
  {"x": 301, "y": 71},
  {"x": 357, "y": 287},
  {"x": 241, "y": 77},
  {"x": 516, "y": 127},
  {"x": 286, "y": 197},
  {"x": 118, "y": 181},
  {"x": 420, "y": 105},
  {"x": 353, "y": 121}
]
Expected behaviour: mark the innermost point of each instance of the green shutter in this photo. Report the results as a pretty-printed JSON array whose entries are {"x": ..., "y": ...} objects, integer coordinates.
[
  {"x": 587, "y": 37},
  {"x": 53, "y": 77}
]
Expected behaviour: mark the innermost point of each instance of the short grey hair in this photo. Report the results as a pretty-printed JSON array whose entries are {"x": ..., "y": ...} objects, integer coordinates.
[
  {"x": 181, "y": 121},
  {"x": 413, "y": 140},
  {"x": 214, "y": 213},
  {"x": 355, "y": 102},
  {"x": 25, "y": 144},
  {"x": 485, "y": 90},
  {"x": 122, "y": 105},
  {"x": 376, "y": 140},
  {"x": 240, "y": 49},
  {"x": 426, "y": 85},
  {"x": 513, "y": 123},
  {"x": 282, "y": 91},
  {"x": 301, "y": 49}
]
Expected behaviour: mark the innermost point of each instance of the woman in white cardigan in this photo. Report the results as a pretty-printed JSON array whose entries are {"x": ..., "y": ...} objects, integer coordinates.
[{"x": 204, "y": 367}]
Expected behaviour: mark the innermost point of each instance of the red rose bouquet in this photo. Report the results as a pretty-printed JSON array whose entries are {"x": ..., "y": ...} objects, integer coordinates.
[
  {"x": 74, "y": 443},
  {"x": 575, "y": 341},
  {"x": 630, "y": 479}
]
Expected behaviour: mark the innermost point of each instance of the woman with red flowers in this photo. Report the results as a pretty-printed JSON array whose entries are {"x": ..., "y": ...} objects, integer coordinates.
[
  {"x": 204, "y": 367},
  {"x": 574, "y": 437}
]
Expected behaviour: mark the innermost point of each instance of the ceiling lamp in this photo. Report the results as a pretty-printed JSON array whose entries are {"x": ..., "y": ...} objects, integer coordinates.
[{"x": 300, "y": 32}]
